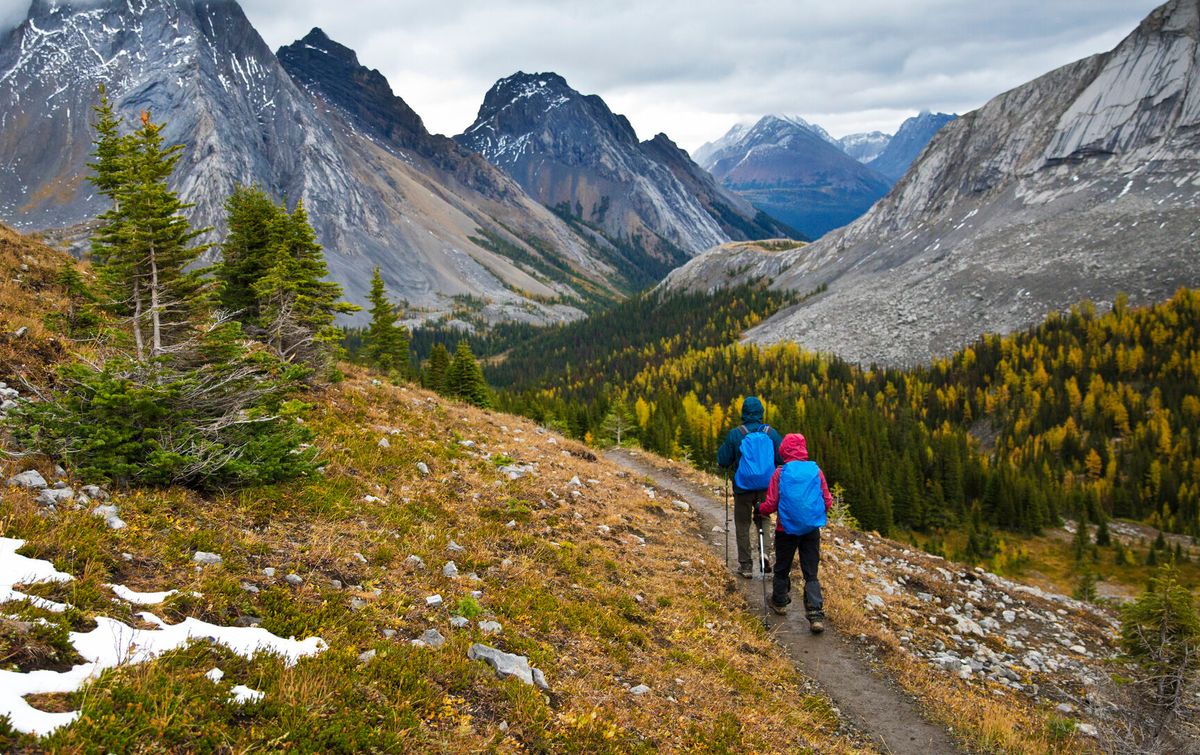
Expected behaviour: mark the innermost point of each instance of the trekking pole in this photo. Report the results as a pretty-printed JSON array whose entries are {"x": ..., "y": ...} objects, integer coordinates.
[
  {"x": 726, "y": 475},
  {"x": 762, "y": 567}
]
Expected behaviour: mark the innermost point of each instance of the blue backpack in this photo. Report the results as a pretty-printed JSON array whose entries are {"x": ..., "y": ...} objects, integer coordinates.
[
  {"x": 801, "y": 504},
  {"x": 757, "y": 464}
]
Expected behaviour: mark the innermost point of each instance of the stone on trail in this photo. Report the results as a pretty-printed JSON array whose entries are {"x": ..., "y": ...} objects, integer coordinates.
[
  {"x": 30, "y": 479},
  {"x": 681, "y": 505},
  {"x": 206, "y": 559},
  {"x": 433, "y": 638}
]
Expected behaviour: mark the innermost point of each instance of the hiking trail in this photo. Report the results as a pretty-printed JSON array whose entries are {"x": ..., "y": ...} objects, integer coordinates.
[{"x": 872, "y": 703}]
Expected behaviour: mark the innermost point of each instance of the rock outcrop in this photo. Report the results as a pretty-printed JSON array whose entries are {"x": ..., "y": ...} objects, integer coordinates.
[{"x": 1082, "y": 184}]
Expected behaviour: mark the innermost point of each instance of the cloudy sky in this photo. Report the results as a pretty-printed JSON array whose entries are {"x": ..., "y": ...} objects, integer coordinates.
[{"x": 692, "y": 68}]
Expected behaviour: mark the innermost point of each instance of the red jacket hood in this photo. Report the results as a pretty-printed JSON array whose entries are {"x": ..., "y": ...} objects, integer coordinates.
[{"x": 793, "y": 448}]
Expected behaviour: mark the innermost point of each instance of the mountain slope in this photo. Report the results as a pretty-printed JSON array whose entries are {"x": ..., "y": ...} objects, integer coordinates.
[
  {"x": 902, "y": 149},
  {"x": 796, "y": 172},
  {"x": 1080, "y": 184},
  {"x": 572, "y": 153},
  {"x": 202, "y": 68},
  {"x": 865, "y": 147}
]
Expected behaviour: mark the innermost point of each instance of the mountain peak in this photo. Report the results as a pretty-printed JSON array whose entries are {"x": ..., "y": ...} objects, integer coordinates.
[
  {"x": 319, "y": 42},
  {"x": 521, "y": 86}
]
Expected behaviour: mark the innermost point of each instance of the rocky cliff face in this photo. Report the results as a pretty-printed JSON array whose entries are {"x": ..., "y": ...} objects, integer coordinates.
[
  {"x": 201, "y": 67},
  {"x": 796, "y": 172},
  {"x": 902, "y": 149},
  {"x": 575, "y": 155},
  {"x": 1084, "y": 183}
]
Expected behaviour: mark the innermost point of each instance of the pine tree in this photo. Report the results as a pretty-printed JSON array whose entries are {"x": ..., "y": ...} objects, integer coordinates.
[
  {"x": 297, "y": 306},
  {"x": 386, "y": 344},
  {"x": 465, "y": 379},
  {"x": 618, "y": 424},
  {"x": 439, "y": 367},
  {"x": 247, "y": 252}
]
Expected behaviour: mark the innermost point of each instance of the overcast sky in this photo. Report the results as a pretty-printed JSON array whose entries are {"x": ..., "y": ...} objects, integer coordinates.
[{"x": 692, "y": 68}]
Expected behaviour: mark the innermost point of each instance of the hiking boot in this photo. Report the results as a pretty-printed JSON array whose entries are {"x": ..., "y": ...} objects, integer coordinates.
[
  {"x": 817, "y": 625},
  {"x": 767, "y": 568},
  {"x": 778, "y": 609},
  {"x": 746, "y": 572}
]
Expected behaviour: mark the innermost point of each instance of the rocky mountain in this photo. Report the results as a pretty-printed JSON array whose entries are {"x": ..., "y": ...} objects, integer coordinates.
[
  {"x": 796, "y": 172},
  {"x": 573, "y": 154},
  {"x": 865, "y": 147},
  {"x": 380, "y": 189},
  {"x": 901, "y": 150},
  {"x": 1081, "y": 184}
]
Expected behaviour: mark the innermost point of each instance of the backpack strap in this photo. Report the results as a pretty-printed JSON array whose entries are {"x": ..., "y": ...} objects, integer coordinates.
[{"x": 745, "y": 432}]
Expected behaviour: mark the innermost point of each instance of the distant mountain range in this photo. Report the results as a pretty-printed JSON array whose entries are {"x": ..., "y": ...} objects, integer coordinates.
[
  {"x": 1081, "y": 184},
  {"x": 572, "y": 153},
  {"x": 443, "y": 224},
  {"x": 795, "y": 171}
]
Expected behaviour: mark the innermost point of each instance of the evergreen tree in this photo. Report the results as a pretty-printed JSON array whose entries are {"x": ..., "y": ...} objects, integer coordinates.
[
  {"x": 1081, "y": 545},
  {"x": 439, "y": 367},
  {"x": 144, "y": 246},
  {"x": 1103, "y": 537},
  {"x": 247, "y": 252},
  {"x": 297, "y": 306},
  {"x": 464, "y": 379},
  {"x": 618, "y": 425},
  {"x": 386, "y": 345}
]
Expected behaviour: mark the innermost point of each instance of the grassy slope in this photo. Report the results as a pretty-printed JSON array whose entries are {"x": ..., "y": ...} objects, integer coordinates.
[{"x": 566, "y": 594}]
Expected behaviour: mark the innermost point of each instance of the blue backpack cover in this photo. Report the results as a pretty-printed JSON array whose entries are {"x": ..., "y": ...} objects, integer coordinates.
[
  {"x": 801, "y": 504},
  {"x": 757, "y": 464}
]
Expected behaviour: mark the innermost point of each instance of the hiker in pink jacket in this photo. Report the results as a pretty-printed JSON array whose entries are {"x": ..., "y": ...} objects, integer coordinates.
[{"x": 800, "y": 495}]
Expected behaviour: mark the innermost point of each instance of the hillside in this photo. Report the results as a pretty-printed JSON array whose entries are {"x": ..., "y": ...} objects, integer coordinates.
[{"x": 1077, "y": 185}]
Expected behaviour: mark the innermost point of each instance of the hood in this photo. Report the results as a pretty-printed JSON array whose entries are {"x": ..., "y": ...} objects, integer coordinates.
[
  {"x": 793, "y": 448},
  {"x": 752, "y": 410}
]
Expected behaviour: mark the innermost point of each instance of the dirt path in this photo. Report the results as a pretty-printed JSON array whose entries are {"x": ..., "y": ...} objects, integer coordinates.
[{"x": 873, "y": 703}]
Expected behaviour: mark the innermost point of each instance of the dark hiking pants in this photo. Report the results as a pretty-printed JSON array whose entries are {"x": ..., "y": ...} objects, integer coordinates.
[
  {"x": 745, "y": 505},
  {"x": 809, "y": 549}
]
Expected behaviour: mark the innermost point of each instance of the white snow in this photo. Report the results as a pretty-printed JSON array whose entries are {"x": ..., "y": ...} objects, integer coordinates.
[
  {"x": 242, "y": 694},
  {"x": 140, "y": 598},
  {"x": 113, "y": 643}
]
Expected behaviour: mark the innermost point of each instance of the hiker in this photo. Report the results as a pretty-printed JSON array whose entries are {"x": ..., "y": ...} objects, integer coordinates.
[
  {"x": 800, "y": 495},
  {"x": 751, "y": 450}
]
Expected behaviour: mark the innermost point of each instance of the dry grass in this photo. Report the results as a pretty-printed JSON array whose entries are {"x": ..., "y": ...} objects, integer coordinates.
[{"x": 597, "y": 611}]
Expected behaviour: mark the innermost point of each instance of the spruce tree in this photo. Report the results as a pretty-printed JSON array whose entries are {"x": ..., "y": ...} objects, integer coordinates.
[
  {"x": 247, "y": 252},
  {"x": 297, "y": 306},
  {"x": 386, "y": 342},
  {"x": 439, "y": 367},
  {"x": 464, "y": 379}
]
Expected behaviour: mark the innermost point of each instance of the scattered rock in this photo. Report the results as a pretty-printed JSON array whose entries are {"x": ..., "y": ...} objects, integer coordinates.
[
  {"x": 641, "y": 689},
  {"x": 1088, "y": 730},
  {"x": 55, "y": 496},
  {"x": 433, "y": 601},
  {"x": 95, "y": 491},
  {"x": 505, "y": 664},
  {"x": 384, "y": 443},
  {"x": 269, "y": 571},
  {"x": 252, "y": 589},
  {"x": 30, "y": 479},
  {"x": 459, "y": 622},
  {"x": 575, "y": 483},
  {"x": 423, "y": 468},
  {"x": 295, "y": 580},
  {"x": 490, "y": 627},
  {"x": 433, "y": 638},
  {"x": 450, "y": 570},
  {"x": 215, "y": 675},
  {"x": 874, "y": 601},
  {"x": 357, "y": 604},
  {"x": 683, "y": 506},
  {"x": 206, "y": 559},
  {"x": 416, "y": 563},
  {"x": 454, "y": 547},
  {"x": 367, "y": 656},
  {"x": 539, "y": 680}
]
